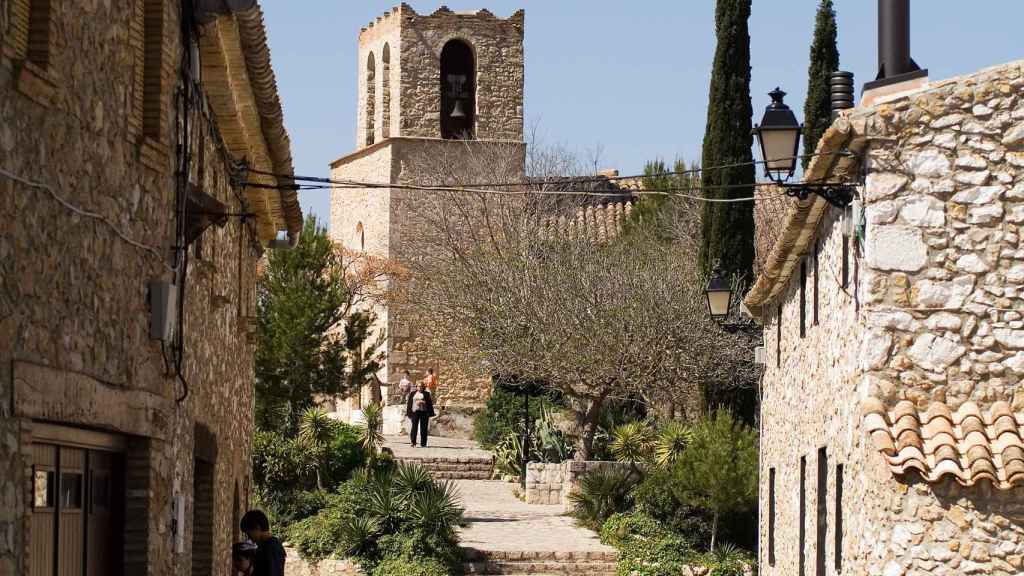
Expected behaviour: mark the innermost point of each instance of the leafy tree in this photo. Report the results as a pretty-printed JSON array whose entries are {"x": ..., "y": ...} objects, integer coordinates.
[
  {"x": 824, "y": 61},
  {"x": 728, "y": 227},
  {"x": 718, "y": 471},
  {"x": 650, "y": 211},
  {"x": 302, "y": 301}
]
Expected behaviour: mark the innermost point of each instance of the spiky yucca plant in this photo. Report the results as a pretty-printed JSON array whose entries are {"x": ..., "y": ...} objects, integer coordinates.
[
  {"x": 371, "y": 436},
  {"x": 601, "y": 493},
  {"x": 673, "y": 438}
]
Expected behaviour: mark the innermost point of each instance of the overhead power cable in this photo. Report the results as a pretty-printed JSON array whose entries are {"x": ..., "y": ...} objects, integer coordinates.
[{"x": 559, "y": 179}]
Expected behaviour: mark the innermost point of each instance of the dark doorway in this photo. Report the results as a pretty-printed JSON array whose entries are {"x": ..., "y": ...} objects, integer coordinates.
[
  {"x": 458, "y": 91},
  {"x": 77, "y": 507}
]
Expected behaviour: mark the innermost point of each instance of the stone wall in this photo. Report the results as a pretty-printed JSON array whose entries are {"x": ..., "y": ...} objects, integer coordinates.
[
  {"x": 296, "y": 565},
  {"x": 552, "y": 483},
  {"x": 74, "y": 317},
  {"x": 932, "y": 315},
  {"x": 389, "y": 223}
]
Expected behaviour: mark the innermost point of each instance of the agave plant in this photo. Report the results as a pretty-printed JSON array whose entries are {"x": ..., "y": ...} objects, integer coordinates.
[
  {"x": 371, "y": 437},
  {"x": 410, "y": 479},
  {"x": 385, "y": 505},
  {"x": 508, "y": 455},
  {"x": 359, "y": 535},
  {"x": 437, "y": 508},
  {"x": 673, "y": 438},
  {"x": 633, "y": 442}
]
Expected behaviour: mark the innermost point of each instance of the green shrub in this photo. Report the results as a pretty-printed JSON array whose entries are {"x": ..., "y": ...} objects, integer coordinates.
[
  {"x": 654, "y": 497},
  {"x": 411, "y": 567},
  {"x": 601, "y": 493},
  {"x": 385, "y": 514},
  {"x": 285, "y": 469},
  {"x": 503, "y": 415},
  {"x": 620, "y": 529},
  {"x": 728, "y": 560}
]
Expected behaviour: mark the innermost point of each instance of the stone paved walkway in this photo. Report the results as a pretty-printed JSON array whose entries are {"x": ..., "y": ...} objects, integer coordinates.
[
  {"x": 498, "y": 521},
  {"x": 437, "y": 447}
]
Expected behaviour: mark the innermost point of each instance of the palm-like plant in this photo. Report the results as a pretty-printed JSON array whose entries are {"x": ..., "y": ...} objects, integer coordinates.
[
  {"x": 359, "y": 535},
  {"x": 673, "y": 438},
  {"x": 601, "y": 493},
  {"x": 410, "y": 479},
  {"x": 437, "y": 509},
  {"x": 371, "y": 436},
  {"x": 633, "y": 442},
  {"x": 316, "y": 429}
]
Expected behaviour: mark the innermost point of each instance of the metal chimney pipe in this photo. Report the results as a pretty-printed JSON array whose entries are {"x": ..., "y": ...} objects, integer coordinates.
[
  {"x": 894, "y": 38},
  {"x": 895, "y": 64}
]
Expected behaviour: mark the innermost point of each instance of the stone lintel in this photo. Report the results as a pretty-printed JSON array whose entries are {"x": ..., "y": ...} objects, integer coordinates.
[{"x": 56, "y": 395}]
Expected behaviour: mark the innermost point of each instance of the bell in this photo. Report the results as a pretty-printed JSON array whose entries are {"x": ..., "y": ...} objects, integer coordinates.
[{"x": 457, "y": 111}]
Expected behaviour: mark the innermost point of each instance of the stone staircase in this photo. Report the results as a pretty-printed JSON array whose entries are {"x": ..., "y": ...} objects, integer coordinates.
[
  {"x": 579, "y": 563},
  {"x": 455, "y": 468}
]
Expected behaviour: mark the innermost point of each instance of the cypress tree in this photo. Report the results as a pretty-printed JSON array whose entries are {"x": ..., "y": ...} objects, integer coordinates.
[
  {"x": 728, "y": 227},
  {"x": 824, "y": 61}
]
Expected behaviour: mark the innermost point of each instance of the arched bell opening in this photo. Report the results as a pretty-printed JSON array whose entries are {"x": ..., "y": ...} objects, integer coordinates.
[
  {"x": 371, "y": 99},
  {"x": 458, "y": 91}
]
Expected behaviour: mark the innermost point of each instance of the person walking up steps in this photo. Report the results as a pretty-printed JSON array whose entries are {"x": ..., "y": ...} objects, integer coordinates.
[{"x": 419, "y": 408}]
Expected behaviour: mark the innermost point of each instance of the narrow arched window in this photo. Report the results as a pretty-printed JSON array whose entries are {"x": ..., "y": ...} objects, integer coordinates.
[
  {"x": 385, "y": 97},
  {"x": 458, "y": 91},
  {"x": 371, "y": 98},
  {"x": 361, "y": 236}
]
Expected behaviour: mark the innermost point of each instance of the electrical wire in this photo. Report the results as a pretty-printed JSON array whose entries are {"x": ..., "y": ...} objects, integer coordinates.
[
  {"x": 88, "y": 214},
  {"x": 580, "y": 179}
]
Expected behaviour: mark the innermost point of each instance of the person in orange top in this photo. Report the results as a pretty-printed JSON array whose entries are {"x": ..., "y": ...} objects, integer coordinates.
[{"x": 431, "y": 382}]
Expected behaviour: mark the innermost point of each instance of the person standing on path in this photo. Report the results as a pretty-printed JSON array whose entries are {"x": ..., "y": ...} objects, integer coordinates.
[
  {"x": 270, "y": 553},
  {"x": 419, "y": 408},
  {"x": 405, "y": 386},
  {"x": 431, "y": 381}
]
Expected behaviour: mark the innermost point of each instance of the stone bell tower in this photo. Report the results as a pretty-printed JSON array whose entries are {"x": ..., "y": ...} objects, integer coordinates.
[{"x": 429, "y": 86}]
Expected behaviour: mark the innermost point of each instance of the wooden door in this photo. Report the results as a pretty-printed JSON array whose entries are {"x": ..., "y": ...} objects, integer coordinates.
[
  {"x": 104, "y": 523},
  {"x": 44, "y": 509},
  {"x": 71, "y": 498}
]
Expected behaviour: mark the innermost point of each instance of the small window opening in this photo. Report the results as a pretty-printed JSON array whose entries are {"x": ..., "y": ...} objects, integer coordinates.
[
  {"x": 40, "y": 19},
  {"x": 152, "y": 68},
  {"x": 778, "y": 336},
  {"x": 817, "y": 253},
  {"x": 846, "y": 262},
  {"x": 361, "y": 235},
  {"x": 458, "y": 91},
  {"x": 771, "y": 516},
  {"x": 803, "y": 515},
  {"x": 839, "y": 519},
  {"x": 803, "y": 298},
  {"x": 822, "y": 512}
]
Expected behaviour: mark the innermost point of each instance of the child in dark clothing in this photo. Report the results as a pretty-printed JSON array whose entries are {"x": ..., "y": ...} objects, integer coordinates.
[{"x": 270, "y": 553}]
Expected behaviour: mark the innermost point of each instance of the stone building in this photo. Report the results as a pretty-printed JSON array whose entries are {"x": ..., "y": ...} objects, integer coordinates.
[
  {"x": 432, "y": 86},
  {"x": 892, "y": 407},
  {"x": 126, "y": 444}
]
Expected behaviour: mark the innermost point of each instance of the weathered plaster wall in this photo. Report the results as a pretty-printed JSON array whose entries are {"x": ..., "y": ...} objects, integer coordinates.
[
  {"x": 74, "y": 319},
  {"x": 939, "y": 319}
]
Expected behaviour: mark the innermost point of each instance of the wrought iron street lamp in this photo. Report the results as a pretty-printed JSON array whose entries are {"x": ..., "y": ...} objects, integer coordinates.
[
  {"x": 778, "y": 136},
  {"x": 719, "y": 295}
]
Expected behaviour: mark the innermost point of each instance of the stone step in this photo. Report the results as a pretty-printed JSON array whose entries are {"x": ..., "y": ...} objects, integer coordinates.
[
  {"x": 463, "y": 475},
  {"x": 432, "y": 461},
  {"x": 477, "y": 555},
  {"x": 540, "y": 567},
  {"x": 454, "y": 467}
]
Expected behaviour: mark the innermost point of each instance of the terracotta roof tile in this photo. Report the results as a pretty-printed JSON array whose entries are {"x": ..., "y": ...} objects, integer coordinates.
[{"x": 967, "y": 444}]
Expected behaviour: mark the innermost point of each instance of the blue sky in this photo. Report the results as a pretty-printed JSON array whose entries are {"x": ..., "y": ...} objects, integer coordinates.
[{"x": 628, "y": 77}]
